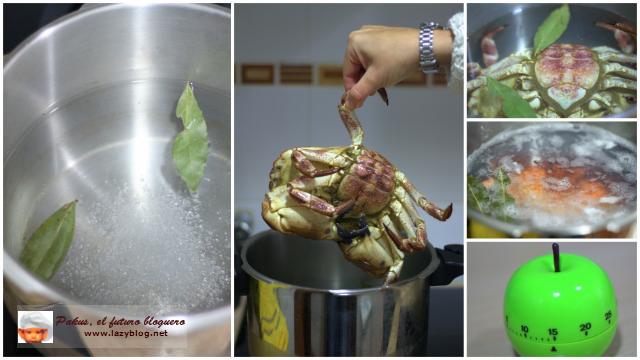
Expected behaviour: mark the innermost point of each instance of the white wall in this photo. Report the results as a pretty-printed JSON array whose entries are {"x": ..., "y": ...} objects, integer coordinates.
[{"x": 421, "y": 131}]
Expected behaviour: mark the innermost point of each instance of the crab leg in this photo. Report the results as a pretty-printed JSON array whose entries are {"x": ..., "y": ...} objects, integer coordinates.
[
  {"x": 515, "y": 69},
  {"x": 390, "y": 229},
  {"x": 619, "y": 83},
  {"x": 406, "y": 224},
  {"x": 394, "y": 273},
  {"x": 532, "y": 97},
  {"x": 297, "y": 187},
  {"x": 606, "y": 53},
  {"x": 548, "y": 113},
  {"x": 474, "y": 70},
  {"x": 620, "y": 70},
  {"x": 419, "y": 199},
  {"x": 302, "y": 160},
  {"x": 624, "y": 33},
  {"x": 474, "y": 103},
  {"x": 598, "y": 102},
  {"x": 489, "y": 49},
  {"x": 386, "y": 223},
  {"x": 294, "y": 158},
  {"x": 352, "y": 124},
  {"x": 350, "y": 120},
  {"x": 412, "y": 241},
  {"x": 510, "y": 60},
  {"x": 528, "y": 95},
  {"x": 418, "y": 222}
]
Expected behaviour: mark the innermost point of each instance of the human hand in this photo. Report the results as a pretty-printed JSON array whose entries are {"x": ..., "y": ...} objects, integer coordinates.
[{"x": 379, "y": 56}]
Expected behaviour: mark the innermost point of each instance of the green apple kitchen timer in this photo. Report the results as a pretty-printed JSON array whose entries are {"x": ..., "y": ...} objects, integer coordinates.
[{"x": 560, "y": 305}]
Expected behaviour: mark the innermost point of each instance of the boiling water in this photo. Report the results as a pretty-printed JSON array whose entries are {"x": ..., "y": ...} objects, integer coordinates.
[
  {"x": 141, "y": 238},
  {"x": 562, "y": 175}
]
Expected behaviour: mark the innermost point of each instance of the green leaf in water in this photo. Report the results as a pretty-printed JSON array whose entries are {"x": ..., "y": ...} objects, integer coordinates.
[
  {"x": 513, "y": 105},
  {"x": 503, "y": 181},
  {"x": 551, "y": 29},
  {"x": 477, "y": 194},
  {"x": 191, "y": 146},
  {"x": 48, "y": 246},
  {"x": 503, "y": 198},
  {"x": 492, "y": 199}
]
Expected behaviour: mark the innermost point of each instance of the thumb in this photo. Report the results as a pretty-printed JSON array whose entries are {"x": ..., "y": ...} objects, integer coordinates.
[{"x": 364, "y": 88}]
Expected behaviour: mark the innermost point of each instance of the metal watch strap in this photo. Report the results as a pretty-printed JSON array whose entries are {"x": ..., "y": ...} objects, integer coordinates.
[{"x": 428, "y": 62}]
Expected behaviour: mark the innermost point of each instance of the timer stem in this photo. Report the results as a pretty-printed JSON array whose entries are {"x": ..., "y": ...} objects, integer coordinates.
[{"x": 556, "y": 256}]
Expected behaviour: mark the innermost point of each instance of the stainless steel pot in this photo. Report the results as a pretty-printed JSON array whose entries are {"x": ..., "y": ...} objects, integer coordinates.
[
  {"x": 483, "y": 133},
  {"x": 89, "y": 105},
  {"x": 306, "y": 299},
  {"x": 522, "y": 22}
]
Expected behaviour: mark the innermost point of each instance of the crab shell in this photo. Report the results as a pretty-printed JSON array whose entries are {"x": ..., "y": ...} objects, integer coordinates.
[
  {"x": 567, "y": 72},
  {"x": 564, "y": 80},
  {"x": 367, "y": 177},
  {"x": 370, "y": 179},
  {"x": 373, "y": 253}
]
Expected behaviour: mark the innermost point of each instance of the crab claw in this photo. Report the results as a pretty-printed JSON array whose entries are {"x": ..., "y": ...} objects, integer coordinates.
[
  {"x": 348, "y": 235},
  {"x": 488, "y": 45},
  {"x": 626, "y": 27},
  {"x": 624, "y": 33}
]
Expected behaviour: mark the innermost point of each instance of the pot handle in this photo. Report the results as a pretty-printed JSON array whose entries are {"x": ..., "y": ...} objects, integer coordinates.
[
  {"x": 240, "y": 279},
  {"x": 242, "y": 228},
  {"x": 451, "y": 264}
]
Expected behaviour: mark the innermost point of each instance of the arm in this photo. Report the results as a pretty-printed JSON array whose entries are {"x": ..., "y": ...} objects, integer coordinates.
[{"x": 380, "y": 56}]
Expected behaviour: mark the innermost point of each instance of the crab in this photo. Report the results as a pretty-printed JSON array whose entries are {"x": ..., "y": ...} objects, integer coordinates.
[
  {"x": 624, "y": 33},
  {"x": 564, "y": 80},
  {"x": 352, "y": 195}
]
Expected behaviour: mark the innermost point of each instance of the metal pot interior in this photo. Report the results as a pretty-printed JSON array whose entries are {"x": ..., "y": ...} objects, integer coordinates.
[
  {"x": 89, "y": 107},
  {"x": 320, "y": 265},
  {"x": 522, "y": 21}
]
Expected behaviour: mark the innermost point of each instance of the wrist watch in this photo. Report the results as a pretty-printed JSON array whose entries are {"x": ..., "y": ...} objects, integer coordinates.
[{"x": 428, "y": 62}]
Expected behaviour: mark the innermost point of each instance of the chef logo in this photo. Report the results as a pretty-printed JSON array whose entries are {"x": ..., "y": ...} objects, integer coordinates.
[{"x": 35, "y": 327}]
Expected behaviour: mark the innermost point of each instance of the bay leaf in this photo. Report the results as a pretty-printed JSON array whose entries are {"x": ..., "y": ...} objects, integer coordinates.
[
  {"x": 551, "y": 29},
  {"x": 191, "y": 145},
  {"x": 513, "y": 105},
  {"x": 47, "y": 247}
]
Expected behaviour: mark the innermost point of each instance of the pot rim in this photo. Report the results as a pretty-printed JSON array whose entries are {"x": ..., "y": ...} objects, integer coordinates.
[
  {"x": 93, "y": 10},
  {"x": 251, "y": 271},
  {"x": 518, "y": 229},
  {"x": 12, "y": 269}
]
